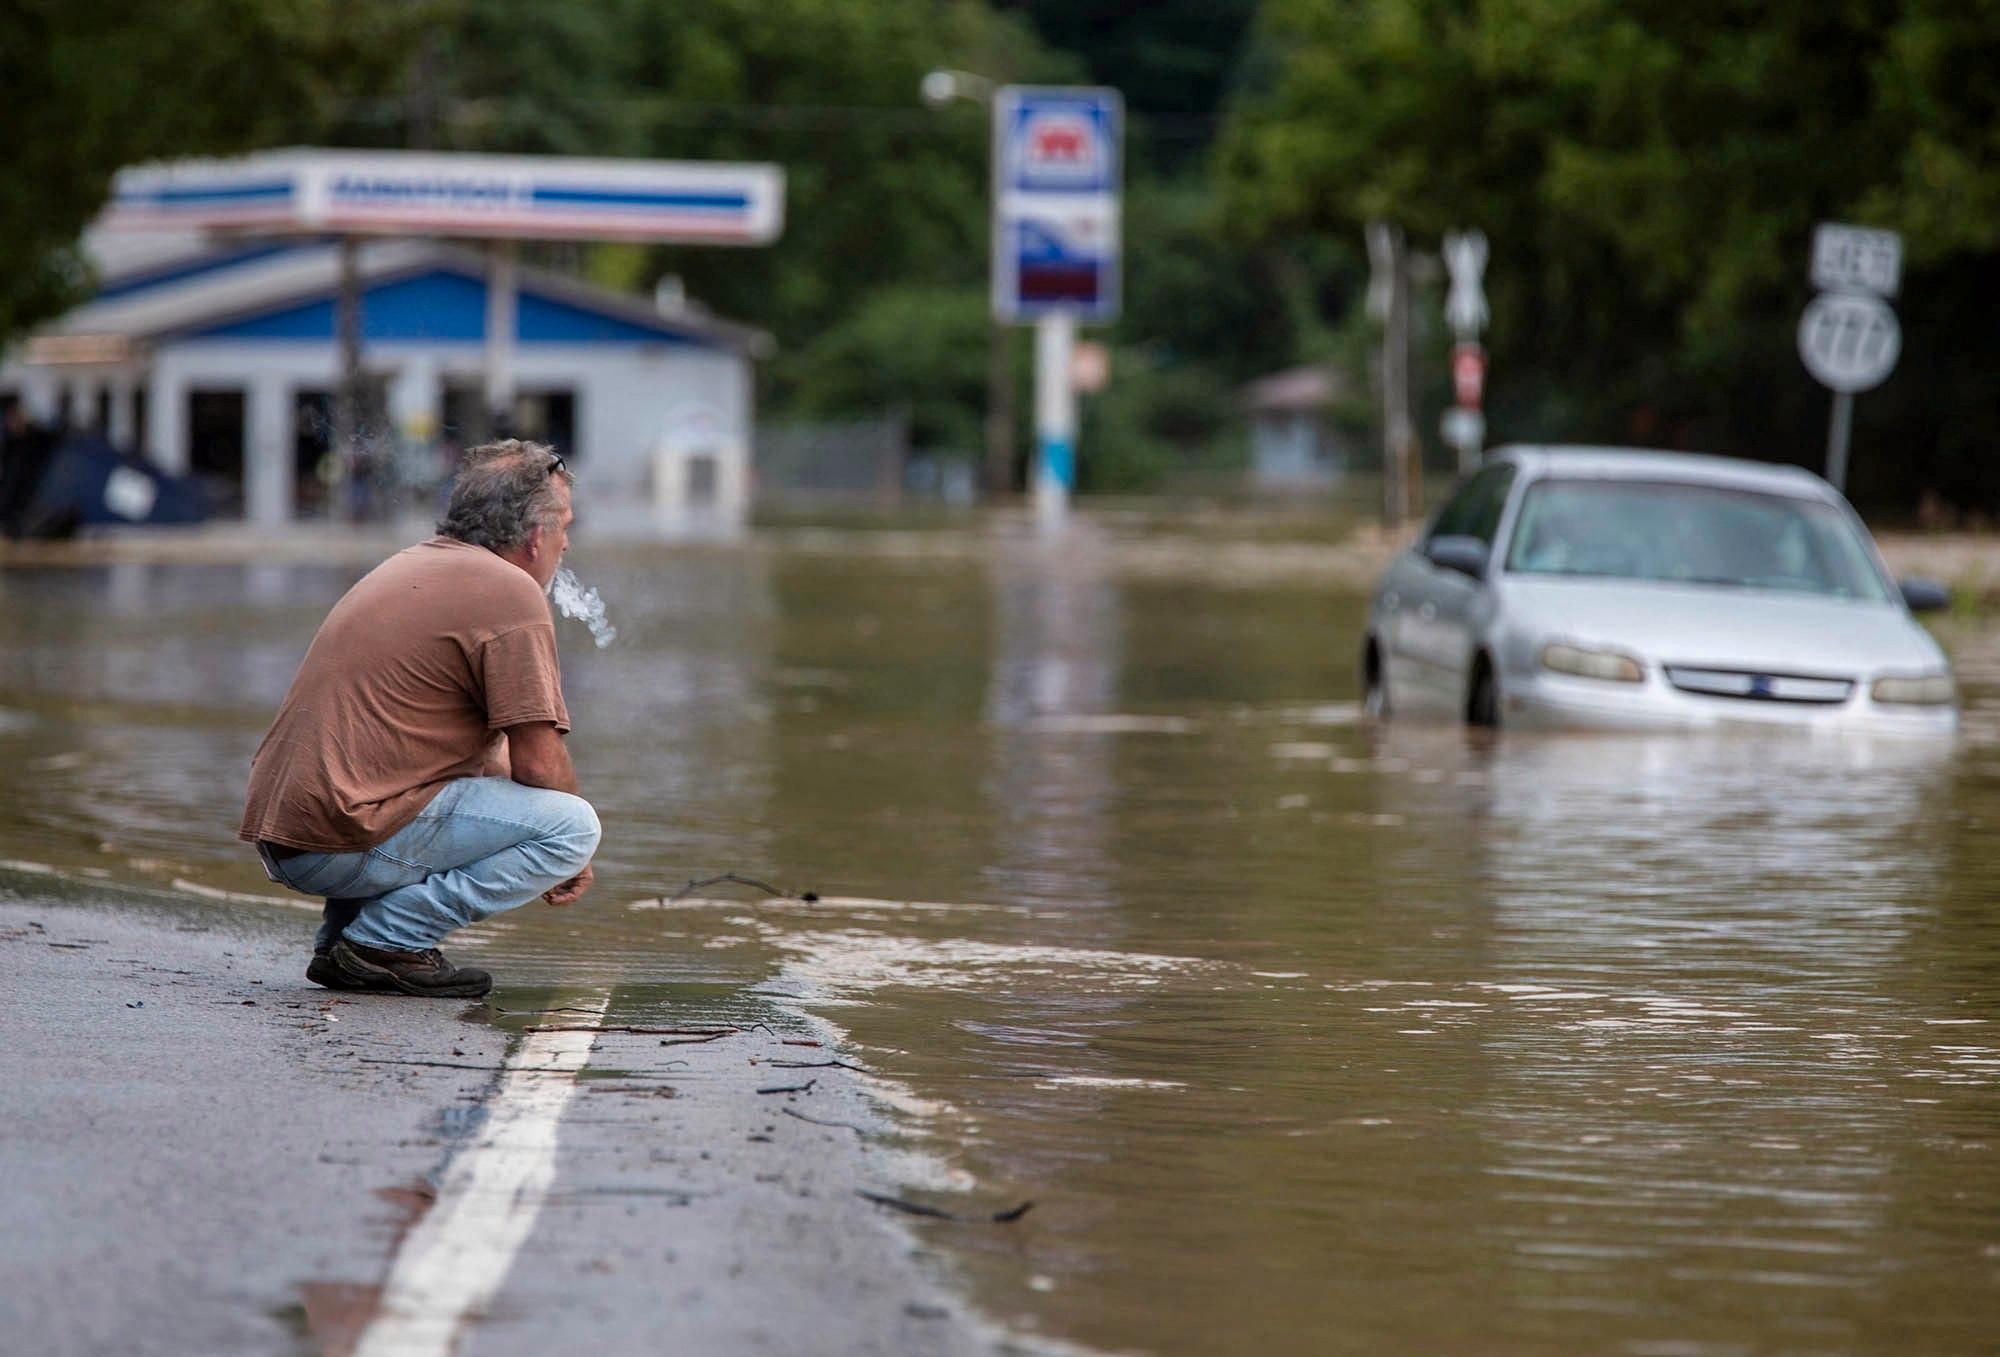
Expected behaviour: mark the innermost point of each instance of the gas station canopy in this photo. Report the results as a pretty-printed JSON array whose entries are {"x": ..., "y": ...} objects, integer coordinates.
[{"x": 448, "y": 194}]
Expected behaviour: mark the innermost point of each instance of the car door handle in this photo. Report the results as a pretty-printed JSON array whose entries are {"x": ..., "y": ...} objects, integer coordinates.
[{"x": 1427, "y": 611}]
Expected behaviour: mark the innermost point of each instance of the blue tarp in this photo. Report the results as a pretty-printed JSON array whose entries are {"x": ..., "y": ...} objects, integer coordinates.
[{"x": 89, "y": 482}]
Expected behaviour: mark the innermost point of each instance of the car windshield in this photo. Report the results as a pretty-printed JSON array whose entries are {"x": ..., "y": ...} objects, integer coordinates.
[{"x": 1679, "y": 533}]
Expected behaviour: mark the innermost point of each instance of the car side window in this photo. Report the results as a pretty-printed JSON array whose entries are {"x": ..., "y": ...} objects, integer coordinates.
[
  {"x": 1492, "y": 501},
  {"x": 1474, "y": 511},
  {"x": 1453, "y": 519}
]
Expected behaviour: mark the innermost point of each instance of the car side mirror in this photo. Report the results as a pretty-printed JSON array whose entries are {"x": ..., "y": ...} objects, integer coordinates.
[
  {"x": 1466, "y": 555},
  {"x": 1925, "y": 596}
]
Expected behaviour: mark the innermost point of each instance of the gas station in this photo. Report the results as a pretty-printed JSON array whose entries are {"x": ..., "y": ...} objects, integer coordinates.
[{"x": 314, "y": 332}]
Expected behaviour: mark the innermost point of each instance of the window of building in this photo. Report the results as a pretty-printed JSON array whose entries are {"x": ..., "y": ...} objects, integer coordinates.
[{"x": 215, "y": 446}]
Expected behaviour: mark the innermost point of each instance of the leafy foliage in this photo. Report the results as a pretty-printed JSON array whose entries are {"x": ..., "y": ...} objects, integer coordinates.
[
  {"x": 880, "y": 191},
  {"x": 1649, "y": 173},
  {"x": 919, "y": 349},
  {"x": 93, "y": 86}
]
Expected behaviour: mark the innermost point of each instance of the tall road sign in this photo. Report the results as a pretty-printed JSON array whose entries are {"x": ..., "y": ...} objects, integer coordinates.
[{"x": 1848, "y": 336}]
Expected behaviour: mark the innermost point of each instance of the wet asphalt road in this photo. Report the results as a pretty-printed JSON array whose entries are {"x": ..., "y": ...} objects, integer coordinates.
[{"x": 203, "y": 1155}]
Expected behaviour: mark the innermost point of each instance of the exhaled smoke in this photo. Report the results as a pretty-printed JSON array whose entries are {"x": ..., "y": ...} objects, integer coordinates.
[{"x": 581, "y": 604}]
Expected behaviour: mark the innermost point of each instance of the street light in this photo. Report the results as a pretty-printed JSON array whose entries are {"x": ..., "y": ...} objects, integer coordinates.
[
  {"x": 939, "y": 88},
  {"x": 943, "y": 85}
]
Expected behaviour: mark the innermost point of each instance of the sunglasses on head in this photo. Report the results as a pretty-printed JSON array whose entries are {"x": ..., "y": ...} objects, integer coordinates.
[{"x": 557, "y": 463}]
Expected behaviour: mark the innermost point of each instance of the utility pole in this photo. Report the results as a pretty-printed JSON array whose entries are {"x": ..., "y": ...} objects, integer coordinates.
[
  {"x": 502, "y": 307},
  {"x": 1389, "y": 303},
  {"x": 347, "y": 394},
  {"x": 999, "y": 478},
  {"x": 939, "y": 88}
]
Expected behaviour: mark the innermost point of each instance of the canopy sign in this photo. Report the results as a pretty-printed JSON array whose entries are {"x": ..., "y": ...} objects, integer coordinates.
[{"x": 420, "y": 193}]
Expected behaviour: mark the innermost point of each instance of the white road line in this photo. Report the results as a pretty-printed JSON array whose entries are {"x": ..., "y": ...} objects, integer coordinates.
[{"x": 455, "y": 1259}]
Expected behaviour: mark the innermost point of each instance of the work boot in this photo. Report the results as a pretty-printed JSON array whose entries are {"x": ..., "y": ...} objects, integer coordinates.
[
  {"x": 322, "y": 972},
  {"x": 424, "y": 973}
]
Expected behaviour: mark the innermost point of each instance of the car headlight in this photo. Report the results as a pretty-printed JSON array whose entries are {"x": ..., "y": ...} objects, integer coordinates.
[
  {"x": 1614, "y": 665},
  {"x": 1915, "y": 690}
]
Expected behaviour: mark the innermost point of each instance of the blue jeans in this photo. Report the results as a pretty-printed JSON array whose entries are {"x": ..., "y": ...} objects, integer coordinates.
[{"x": 482, "y": 846}]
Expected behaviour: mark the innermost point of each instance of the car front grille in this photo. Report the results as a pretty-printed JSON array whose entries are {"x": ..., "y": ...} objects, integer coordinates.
[{"x": 1752, "y": 686}]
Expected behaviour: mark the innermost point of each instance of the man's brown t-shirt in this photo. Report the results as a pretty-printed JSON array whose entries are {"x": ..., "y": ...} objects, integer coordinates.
[{"x": 406, "y": 686}]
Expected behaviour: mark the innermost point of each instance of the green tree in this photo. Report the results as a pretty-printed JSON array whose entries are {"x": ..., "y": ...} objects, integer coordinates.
[
  {"x": 880, "y": 190},
  {"x": 918, "y": 349},
  {"x": 1172, "y": 60},
  {"x": 1649, "y": 173},
  {"x": 93, "y": 86}
]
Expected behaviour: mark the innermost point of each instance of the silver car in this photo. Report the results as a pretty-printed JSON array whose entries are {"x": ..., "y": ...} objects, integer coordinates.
[{"x": 1566, "y": 586}]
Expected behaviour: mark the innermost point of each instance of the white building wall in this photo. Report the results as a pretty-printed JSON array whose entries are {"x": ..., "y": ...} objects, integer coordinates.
[
  {"x": 40, "y": 386},
  {"x": 632, "y": 401},
  {"x": 643, "y": 412},
  {"x": 1287, "y": 452},
  {"x": 268, "y": 474},
  {"x": 38, "y": 390},
  {"x": 167, "y": 414},
  {"x": 635, "y": 403}
]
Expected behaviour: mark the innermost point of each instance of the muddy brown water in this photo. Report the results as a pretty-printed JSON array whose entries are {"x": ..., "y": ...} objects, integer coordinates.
[{"x": 1305, "y": 1034}]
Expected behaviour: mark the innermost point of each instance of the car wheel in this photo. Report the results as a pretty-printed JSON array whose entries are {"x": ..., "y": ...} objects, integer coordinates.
[
  {"x": 1374, "y": 683},
  {"x": 1482, "y": 707}
]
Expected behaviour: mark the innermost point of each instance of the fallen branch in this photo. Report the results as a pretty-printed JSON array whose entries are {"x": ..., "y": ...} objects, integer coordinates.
[
  {"x": 700, "y": 1033},
  {"x": 815, "y": 1065},
  {"x": 693, "y": 885},
  {"x": 817, "y": 1121},
  {"x": 433, "y": 1064},
  {"x": 1006, "y": 1217},
  {"x": 520, "y": 1012},
  {"x": 806, "y": 1087}
]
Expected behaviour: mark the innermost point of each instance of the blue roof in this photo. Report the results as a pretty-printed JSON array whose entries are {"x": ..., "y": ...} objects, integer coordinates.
[
  {"x": 442, "y": 303},
  {"x": 182, "y": 270}
]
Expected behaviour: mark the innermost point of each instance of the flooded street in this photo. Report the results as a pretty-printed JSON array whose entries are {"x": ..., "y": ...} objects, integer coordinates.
[{"x": 1303, "y": 1033}]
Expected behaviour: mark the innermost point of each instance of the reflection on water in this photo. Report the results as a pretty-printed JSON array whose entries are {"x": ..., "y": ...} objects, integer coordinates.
[{"x": 1305, "y": 1034}]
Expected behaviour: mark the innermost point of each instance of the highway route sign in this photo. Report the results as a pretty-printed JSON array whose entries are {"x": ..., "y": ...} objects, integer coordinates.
[
  {"x": 1464, "y": 429},
  {"x": 1849, "y": 341},
  {"x": 1856, "y": 259}
]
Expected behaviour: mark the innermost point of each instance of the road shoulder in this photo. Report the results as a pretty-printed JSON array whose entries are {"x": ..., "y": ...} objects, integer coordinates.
[{"x": 237, "y": 1159}]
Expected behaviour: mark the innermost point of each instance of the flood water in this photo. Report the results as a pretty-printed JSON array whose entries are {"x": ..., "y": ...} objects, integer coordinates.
[{"x": 1305, "y": 1034}]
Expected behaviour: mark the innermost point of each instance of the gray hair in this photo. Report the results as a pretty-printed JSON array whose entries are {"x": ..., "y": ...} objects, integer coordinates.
[{"x": 503, "y": 492}]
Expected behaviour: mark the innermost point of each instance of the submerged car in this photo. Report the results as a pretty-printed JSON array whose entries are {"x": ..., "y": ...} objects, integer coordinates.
[{"x": 1564, "y": 586}]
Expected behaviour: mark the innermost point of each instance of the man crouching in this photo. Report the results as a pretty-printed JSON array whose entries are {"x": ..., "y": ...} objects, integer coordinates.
[{"x": 415, "y": 775}]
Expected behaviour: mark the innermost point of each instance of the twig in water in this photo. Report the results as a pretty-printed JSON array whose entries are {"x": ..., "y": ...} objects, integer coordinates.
[
  {"x": 817, "y": 1121},
  {"x": 815, "y": 1065},
  {"x": 806, "y": 1087},
  {"x": 521, "y": 1012},
  {"x": 912, "y": 1208},
  {"x": 699, "y": 1033},
  {"x": 1006, "y": 1217},
  {"x": 694, "y": 885},
  {"x": 434, "y": 1064}
]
